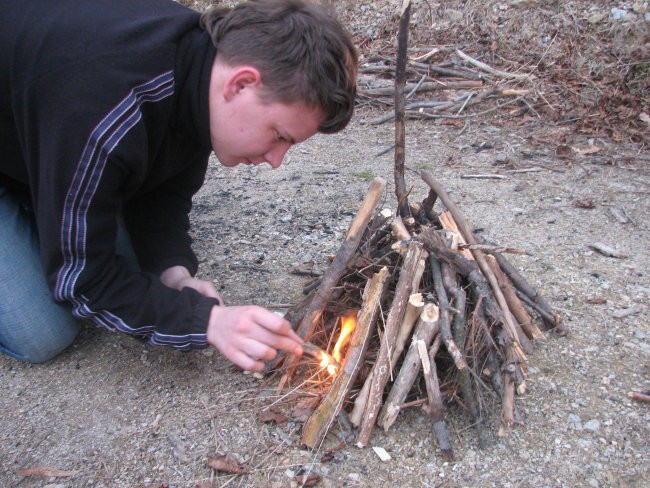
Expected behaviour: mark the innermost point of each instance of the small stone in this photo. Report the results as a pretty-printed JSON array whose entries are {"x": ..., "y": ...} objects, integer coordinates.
[
  {"x": 574, "y": 419},
  {"x": 593, "y": 482},
  {"x": 593, "y": 425},
  {"x": 381, "y": 452}
]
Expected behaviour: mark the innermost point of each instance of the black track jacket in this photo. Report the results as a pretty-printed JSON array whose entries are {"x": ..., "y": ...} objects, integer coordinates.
[{"x": 104, "y": 109}]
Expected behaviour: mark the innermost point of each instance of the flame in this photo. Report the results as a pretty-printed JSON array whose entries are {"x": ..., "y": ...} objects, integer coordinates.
[{"x": 348, "y": 324}]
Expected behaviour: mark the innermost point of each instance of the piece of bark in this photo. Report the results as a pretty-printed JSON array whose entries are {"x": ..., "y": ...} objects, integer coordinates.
[
  {"x": 639, "y": 396},
  {"x": 382, "y": 368},
  {"x": 425, "y": 330},
  {"x": 333, "y": 274},
  {"x": 606, "y": 250},
  {"x": 435, "y": 398},
  {"x": 316, "y": 427}
]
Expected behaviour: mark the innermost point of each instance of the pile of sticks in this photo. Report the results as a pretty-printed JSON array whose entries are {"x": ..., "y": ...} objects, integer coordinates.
[
  {"x": 458, "y": 89},
  {"x": 441, "y": 318},
  {"x": 462, "y": 80}
]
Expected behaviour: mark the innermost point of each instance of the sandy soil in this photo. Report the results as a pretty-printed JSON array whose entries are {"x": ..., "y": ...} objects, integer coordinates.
[{"x": 112, "y": 412}]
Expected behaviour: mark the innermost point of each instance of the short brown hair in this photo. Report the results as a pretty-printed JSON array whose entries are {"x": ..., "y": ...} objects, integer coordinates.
[{"x": 302, "y": 52}]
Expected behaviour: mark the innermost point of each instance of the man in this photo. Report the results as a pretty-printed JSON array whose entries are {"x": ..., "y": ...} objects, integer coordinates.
[{"x": 108, "y": 113}]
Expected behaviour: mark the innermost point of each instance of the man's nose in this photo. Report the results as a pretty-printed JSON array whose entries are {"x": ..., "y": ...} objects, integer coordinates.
[{"x": 275, "y": 156}]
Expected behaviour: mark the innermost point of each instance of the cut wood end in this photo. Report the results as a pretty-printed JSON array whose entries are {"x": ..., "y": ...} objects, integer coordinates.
[
  {"x": 416, "y": 300},
  {"x": 430, "y": 313}
]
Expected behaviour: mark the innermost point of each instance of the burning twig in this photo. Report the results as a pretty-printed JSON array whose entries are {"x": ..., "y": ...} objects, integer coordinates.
[
  {"x": 321, "y": 355},
  {"x": 319, "y": 423}
]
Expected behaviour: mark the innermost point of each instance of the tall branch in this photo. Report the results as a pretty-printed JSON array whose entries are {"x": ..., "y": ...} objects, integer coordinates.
[{"x": 400, "y": 133}]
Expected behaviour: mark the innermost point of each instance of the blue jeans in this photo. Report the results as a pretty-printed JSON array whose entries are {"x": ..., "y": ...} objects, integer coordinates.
[{"x": 33, "y": 327}]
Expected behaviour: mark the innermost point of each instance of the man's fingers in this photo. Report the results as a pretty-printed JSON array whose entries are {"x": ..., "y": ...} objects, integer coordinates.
[
  {"x": 246, "y": 362},
  {"x": 257, "y": 350},
  {"x": 276, "y": 341}
]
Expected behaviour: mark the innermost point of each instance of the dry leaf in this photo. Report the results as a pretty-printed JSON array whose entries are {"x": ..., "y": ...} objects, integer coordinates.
[
  {"x": 225, "y": 463},
  {"x": 327, "y": 457},
  {"x": 46, "y": 472},
  {"x": 303, "y": 409},
  {"x": 272, "y": 415},
  {"x": 584, "y": 204},
  {"x": 564, "y": 152},
  {"x": 311, "y": 480}
]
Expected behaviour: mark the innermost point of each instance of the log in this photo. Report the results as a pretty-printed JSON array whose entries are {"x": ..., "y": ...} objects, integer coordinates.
[
  {"x": 551, "y": 319},
  {"x": 360, "y": 402},
  {"x": 508, "y": 396},
  {"x": 413, "y": 310},
  {"x": 425, "y": 330},
  {"x": 459, "y": 328},
  {"x": 448, "y": 223},
  {"x": 400, "y": 133},
  {"x": 435, "y": 398},
  {"x": 479, "y": 256},
  {"x": 526, "y": 345},
  {"x": 336, "y": 270},
  {"x": 514, "y": 303},
  {"x": 399, "y": 229},
  {"x": 316, "y": 427},
  {"x": 445, "y": 325},
  {"x": 382, "y": 368},
  {"x": 424, "y": 87}
]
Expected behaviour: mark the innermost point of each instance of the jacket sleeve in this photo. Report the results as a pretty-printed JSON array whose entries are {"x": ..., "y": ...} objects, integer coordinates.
[{"x": 80, "y": 160}]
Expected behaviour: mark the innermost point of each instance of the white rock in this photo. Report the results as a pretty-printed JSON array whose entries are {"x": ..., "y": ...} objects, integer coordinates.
[
  {"x": 593, "y": 425},
  {"x": 381, "y": 452}
]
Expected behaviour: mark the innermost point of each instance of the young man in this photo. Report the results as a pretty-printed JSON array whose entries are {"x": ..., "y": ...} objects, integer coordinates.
[{"x": 108, "y": 113}]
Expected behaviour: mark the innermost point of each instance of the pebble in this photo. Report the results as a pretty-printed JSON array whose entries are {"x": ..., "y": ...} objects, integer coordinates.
[
  {"x": 593, "y": 425},
  {"x": 574, "y": 419}
]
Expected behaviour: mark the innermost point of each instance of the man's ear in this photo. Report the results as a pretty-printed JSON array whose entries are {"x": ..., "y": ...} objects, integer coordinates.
[{"x": 240, "y": 78}]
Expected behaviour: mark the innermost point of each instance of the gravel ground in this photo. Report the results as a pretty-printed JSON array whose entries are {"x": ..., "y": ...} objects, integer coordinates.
[{"x": 113, "y": 412}]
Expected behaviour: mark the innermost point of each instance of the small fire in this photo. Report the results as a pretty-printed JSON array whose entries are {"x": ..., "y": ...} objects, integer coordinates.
[{"x": 348, "y": 324}]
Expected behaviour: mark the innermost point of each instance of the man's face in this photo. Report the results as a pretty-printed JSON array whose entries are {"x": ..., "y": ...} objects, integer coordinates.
[{"x": 246, "y": 129}]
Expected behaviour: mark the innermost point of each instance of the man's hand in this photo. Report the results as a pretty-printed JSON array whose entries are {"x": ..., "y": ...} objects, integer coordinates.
[
  {"x": 249, "y": 335},
  {"x": 178, "y": 277}
]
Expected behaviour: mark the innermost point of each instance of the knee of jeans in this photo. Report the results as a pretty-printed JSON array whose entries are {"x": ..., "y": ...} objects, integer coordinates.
[{"x": 42, "y": 351}]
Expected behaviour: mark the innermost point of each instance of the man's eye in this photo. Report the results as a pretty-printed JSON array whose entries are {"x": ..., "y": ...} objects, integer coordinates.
[{"x": 279, "y": 137}]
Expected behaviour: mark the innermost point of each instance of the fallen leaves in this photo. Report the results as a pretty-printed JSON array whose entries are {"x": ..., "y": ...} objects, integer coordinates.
[
  {"x": 310, "y": 480},
  {"x": 225, "y": 463}
]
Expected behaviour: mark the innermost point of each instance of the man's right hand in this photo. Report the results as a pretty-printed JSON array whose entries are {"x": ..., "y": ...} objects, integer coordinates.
[{"x": 249, "y": 335}]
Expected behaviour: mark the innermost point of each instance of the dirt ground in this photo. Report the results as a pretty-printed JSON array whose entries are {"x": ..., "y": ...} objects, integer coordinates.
[{"x": 112, "y": 412}]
